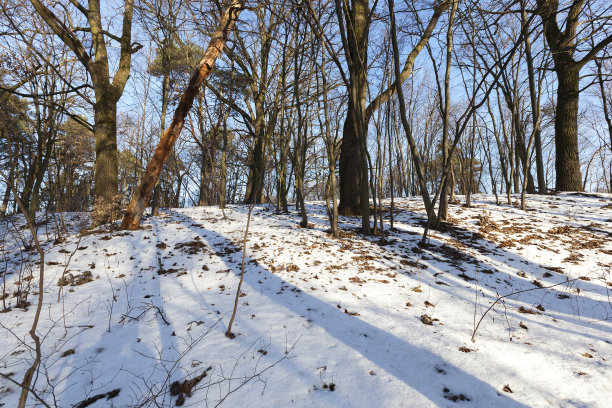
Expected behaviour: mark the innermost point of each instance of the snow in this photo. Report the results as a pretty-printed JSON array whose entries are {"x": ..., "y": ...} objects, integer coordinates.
[{"x": 324, "y": 322}]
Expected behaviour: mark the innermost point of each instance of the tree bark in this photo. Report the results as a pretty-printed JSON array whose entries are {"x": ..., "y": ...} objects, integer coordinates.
[
  {"x": 255, "y": 183},
  {"x": 443, "y": 208},
  {"x": 223, "y": 164},
  {"x": 567, "y": 159},
  {"x": 106, "y": 179},
  {"x": 5, "y": 199},
  {"x": 350, "y": 173},
  {"x": 164, "y": 111},
  {"x": 353, "y": 158},
  {"x": 135, "y": 209}
]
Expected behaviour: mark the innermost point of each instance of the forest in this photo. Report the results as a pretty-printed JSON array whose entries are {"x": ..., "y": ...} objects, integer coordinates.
[
  {"x": 459, "y": 151},
  {"x": 303, "y": 102}
]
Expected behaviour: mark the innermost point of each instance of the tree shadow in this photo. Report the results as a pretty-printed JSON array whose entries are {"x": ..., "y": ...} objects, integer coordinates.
[
  {"x": 126, "y": 355},
  {"x": 500, "y": 268},
  {"x": 416, "y": 367}
]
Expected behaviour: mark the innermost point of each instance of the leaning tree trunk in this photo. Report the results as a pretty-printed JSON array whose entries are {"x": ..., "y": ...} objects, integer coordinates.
[
  {"x": 567, "y": 160},
  {"x": 135, "y": 209}
]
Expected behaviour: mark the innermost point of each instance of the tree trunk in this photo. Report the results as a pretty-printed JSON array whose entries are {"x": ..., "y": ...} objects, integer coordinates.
[
  {"x": 135, "y": 209},
  {"x": 28, "y": 185},
  {"x": 283, "y": 188},
  {"x": 521, "y": 151},
  {"x": 563, "y": 45},
  {"x": 5, "y": 200},
  {"x": 354, "y": 193},
  {"x": 540, "y": 163},
  {"x": 567, "y": 160},
  {"x": 165, "y": 97},
  {"x": 155, "y": 200},
  {"x": 223, "y": 170},
  {"x": 443, "y": 208},
  {"x": 353, "y": 164},
  {"x": 41, "y": 171},
  {"x": 350, "y": 171},
  {"x": 255, "y": 183},
  {"x": 106, "y": 182}
]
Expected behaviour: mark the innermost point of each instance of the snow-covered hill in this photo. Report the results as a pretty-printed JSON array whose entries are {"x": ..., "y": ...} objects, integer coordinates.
[{"x": 322, "y": 322}]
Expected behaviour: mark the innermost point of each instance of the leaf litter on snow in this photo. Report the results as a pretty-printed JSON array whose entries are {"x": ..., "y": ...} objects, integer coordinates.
[{"x": 391, "y": 324}]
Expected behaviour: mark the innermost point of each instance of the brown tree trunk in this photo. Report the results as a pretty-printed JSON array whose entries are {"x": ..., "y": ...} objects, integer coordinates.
[
  {"x": 135, "y": 209},
  {"x": 563, "y": 46},
  {"x": 540, "y": 163},
  {"x": 350, "y": 171},
  {"x": 354, "y": 193},
  {"x": 521, "y": 151},
  {"x": 443, "y": 208},
  {"x": 5, "y": 199},
  {"x": 353, "y": 163},
  {"x": 106, "y": 181},
  {"x": 223, "y": 170},
  {"x": 567, "y": 160},
  {"x": 41, "y": 171},
  {"x": 107, "y": 92},
  {"x": 255, "y": 183}
]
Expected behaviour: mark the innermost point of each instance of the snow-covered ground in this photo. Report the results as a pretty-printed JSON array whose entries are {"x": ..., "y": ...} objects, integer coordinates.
[{"x": 322, "y": 322}]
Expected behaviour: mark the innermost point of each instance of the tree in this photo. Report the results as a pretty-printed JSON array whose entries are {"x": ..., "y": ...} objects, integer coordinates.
[
  {"x": 13, "y": 118},
  {"x": 354, "y": 25},
  {"x": 135, "y": 209},
  {"x": 563, "y": 45},
  {"x": 350, "y": 158},
  {"x": 71, "y": 169},
  {"x": 107, "y": 90},
  {"x": 161, "y": 21}
]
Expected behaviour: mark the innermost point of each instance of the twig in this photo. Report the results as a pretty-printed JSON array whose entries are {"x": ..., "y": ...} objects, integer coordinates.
[
  {"x": 229, "y": 333},
  {"x": 76, "y": 247},
  {"x": 256, "y": 375},
  {"x": 515, "y": 293},
  {"x": 26, "y": 388},
  {"x": 476, "y": 299},
  {"x": 27, "y": 378},
  {"x": 145, "y": 310}
]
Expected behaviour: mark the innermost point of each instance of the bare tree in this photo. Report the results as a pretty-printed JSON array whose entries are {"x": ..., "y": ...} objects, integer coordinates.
[
  {"x": 135, "y": 209},
  {"x": 564, "y": 46},
  {"x": 107, "y": 89}
]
